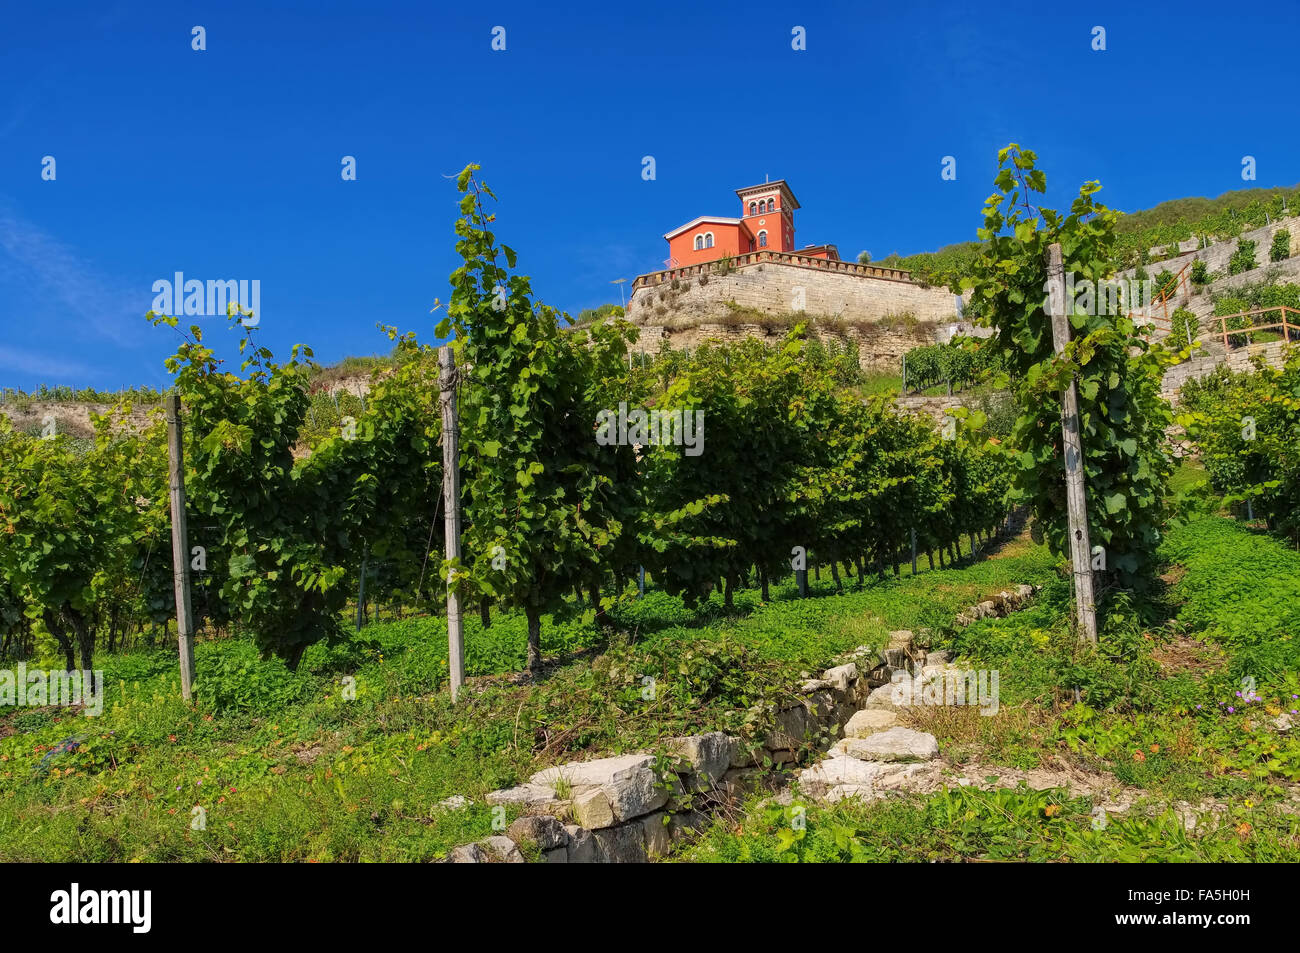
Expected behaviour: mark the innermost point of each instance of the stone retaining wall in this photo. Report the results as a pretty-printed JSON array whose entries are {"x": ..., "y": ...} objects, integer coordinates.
[{"x": 631, "y": 808}]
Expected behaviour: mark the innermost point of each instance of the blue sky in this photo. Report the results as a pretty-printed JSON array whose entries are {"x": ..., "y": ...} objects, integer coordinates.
[{"x": 226, "y": 163}]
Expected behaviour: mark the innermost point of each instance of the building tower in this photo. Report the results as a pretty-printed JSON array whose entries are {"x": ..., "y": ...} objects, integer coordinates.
[{"x": 768, "y": 211}]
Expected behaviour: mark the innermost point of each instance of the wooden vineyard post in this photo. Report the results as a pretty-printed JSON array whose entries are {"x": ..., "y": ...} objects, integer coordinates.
[
  {"x": 180, "y": 545},
  {"x": 451, "y": 509},
  {"x": 361, "y": 586},
  {"x": 1075, "y": 491},
  {"x": 913, "y": 550}
]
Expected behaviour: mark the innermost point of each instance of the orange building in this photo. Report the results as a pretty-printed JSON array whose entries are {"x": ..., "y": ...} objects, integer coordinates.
[{"x": 766, "y": 222}]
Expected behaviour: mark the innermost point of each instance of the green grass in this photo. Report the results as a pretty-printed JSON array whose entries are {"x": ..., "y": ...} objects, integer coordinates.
[
  {"x": 287, "y": 769},
  {"x": 1161, "y": 710},
  {"x": 964, "y": 824},
  {"x": 1187, "y": 477}
]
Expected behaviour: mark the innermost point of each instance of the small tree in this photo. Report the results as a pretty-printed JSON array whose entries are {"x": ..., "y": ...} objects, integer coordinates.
[
  {"x": 1243, "y": 259},
  {"x": 1184, "y": 327},
  {"x": 1122, "y": 416},
  {"x": 1280, "y": 250},
  {"x": 547, "y": 504}
]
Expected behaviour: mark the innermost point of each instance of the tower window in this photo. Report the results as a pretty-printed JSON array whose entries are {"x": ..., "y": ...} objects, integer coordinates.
[
  {"x": 762, "y": 239},
  {"x": 753, "y": 208}
]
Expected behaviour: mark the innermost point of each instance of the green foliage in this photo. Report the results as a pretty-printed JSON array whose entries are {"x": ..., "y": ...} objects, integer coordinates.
[
  {"x": 63, "y": 394},
  {"x": 1248, "y": 428},
  {"x": 961, "y": 362},
  {"x": 1166, "y": 284},
  {"x": 1012, "y": 824},
  {"x": 78, "y": 526},
  {"x": 588, "y": 315},
  {"x": 1280, "y": 249},
  {"x": 1200, "y": 273},
  {"x": 542, "y": 493},
  {"x": 1243, "y": 258},
  {"x": 1184, "y": 327},
  {"x": 1180, "y": 219},
  {"x": 1118, "y": 372}
]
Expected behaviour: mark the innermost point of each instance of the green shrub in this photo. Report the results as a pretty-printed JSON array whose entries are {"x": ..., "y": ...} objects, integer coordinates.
[
  {"x": 1243, "y": 259},
  {"x": 1280, "y": 250},
  {"x": 1166, "y": 284},
  {"x": 1184, "y": 327}
]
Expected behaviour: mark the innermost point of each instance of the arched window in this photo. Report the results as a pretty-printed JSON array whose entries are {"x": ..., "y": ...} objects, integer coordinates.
[
  {"x": 699, "y": 242},
  {"x": 762, "y": 239},
  {"x": 771, "y": 205},
  {"x": 753, "y": 208},
  {"x": 708, "y": 239}
]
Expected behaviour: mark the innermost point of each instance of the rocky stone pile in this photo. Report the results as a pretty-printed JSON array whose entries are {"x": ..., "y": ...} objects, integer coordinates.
[
  {"x": 1004, "y": 602},
  {"x": 632, "y": 807}
]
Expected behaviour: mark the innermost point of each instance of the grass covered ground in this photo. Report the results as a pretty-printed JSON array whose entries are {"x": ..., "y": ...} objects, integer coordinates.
[
  {"x": 287, "y": 769},
  {"x": 1178, "y": 706},
  {"x": 288, "y": 766}
]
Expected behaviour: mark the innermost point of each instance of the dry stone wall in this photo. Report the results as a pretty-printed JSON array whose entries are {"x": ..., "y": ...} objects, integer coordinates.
[
  {"x": 1217, "y": 255},
  {"x": 74, "y": 419},
  {"x": 880, "y": 346},
  {"x": 885, "y": 316},
  {"x": 632, "y": 808},
  {"x": 771, "y": 287}
]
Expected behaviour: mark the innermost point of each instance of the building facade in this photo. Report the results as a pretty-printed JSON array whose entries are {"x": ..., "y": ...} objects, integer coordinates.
[{"x": 766, "y": 223}]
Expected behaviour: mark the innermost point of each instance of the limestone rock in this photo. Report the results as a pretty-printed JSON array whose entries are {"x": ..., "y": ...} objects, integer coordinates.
[
  {"x": 582, "y": 847},
  {"x": 901, "y": 638},
  {"x": 593, "y": 810},
  {"x": 503, "y": 849},
  {"x": 893, "y": 744},
  {"x": 842, "y": 792},
  {"x": 466, "y": 854},
  {"x": 895, "y": 658},
  {"x": 883, "y": 697},
  {"x": 709, "y": 755},
  {"x": 627, "y": 781},
  {"x": 540, "y": 829},
  {"x": 869, "y": 721},
  {"x": 624, "y": 844},
  {"x": 657, "y": 835},
  {"x": 529, "y": 797},
  {"x": 457, "y": 802},
  {"x": 793, "y": 726},
  {"x": 841, "y": 676},
  {"x": 834, "y": 771}
]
